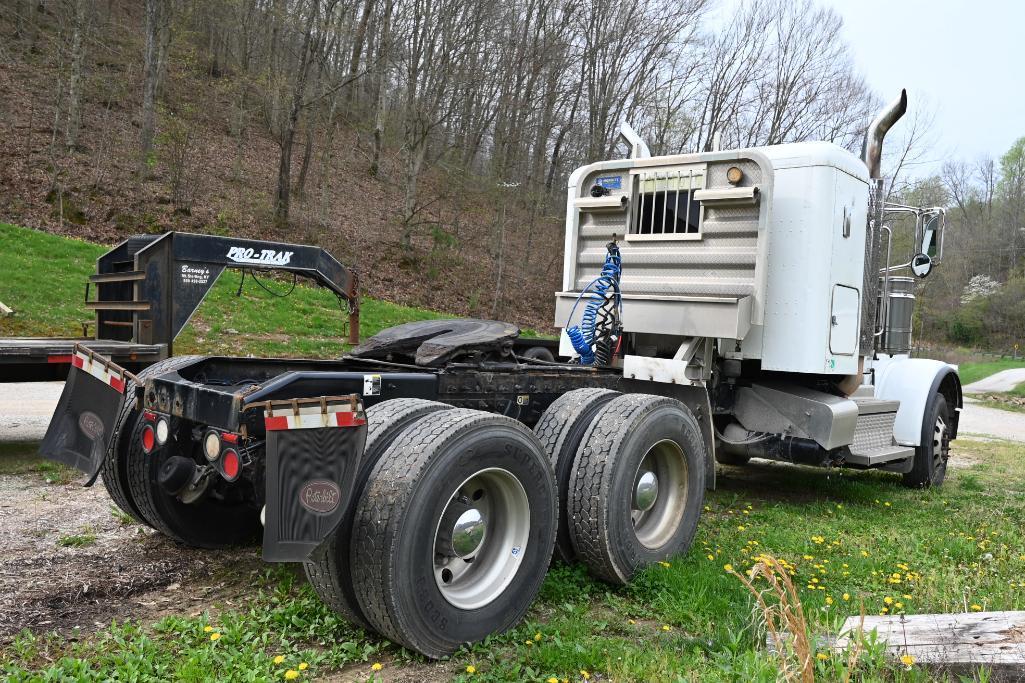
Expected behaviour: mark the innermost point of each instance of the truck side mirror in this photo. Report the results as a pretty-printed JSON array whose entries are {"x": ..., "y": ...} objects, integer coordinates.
[
  {"x": 921, "y": 265},
  {"x": 932, "y": 237}
]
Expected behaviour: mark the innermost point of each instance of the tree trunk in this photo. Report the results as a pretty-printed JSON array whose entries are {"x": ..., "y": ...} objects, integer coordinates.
[
  {"x": 282, "y": 203},
  {"x": 75, "y": 78},
  {"x": 158, "y": 37},
  {"x": 382, "y": 82}
]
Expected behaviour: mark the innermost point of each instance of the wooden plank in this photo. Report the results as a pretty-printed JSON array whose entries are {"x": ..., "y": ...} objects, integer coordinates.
[{"x": 953, "y": 643}]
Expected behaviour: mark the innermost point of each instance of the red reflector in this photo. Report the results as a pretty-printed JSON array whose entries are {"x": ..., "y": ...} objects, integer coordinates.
[
  {"x": 228, "y": 437},
  {"x": 230, "y": 464},
  {"x": 149, "y": 416},
  {"x": 149, "y": 439},
  {"x": 58, "y": 359}
]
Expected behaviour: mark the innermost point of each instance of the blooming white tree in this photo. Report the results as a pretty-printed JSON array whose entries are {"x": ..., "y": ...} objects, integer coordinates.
[{"x": 980, "y": 286}]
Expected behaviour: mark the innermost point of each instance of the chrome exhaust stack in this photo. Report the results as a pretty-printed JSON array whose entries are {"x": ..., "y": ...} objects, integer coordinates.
[
  {"x": 872, "y": 148},
  {"x": 872, "y": 155}
]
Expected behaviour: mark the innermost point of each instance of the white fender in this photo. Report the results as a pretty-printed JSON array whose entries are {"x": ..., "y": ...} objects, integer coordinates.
[{"x": 911, "y": 381}]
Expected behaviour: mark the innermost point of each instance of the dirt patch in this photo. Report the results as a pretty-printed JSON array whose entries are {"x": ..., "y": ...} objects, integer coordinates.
[{"x": 69, "y": 562}]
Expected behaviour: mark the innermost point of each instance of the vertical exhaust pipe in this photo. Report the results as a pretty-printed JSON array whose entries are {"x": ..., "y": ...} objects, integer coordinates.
[
  {"x": 872, "y": 148},
  {"x": 872, "y": 155}
]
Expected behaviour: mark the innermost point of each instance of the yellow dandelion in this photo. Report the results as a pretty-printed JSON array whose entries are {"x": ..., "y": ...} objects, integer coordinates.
[
  {"x": 665, "y": 564},
  {"x": 898, "y": 605},
  {"x": 741, "y": 527},
  {"x": 907, "y": 660},
  {"x": 711, "y": 558},
  {"x": 906, "y": 596},
  {"x": 822, "y": 656},
  {"x": 808, "y": 557},
  {"x": 728, "y": 567},
  {"x": 537, "y": 637},
  {"x": 529, "y": 642},
  {"x": 207, "y": 629},
  {"x": 864, "y": 553},
  {"x": 586, "y": 676},
  {"x": 829, "y": 600},
  {"x": 976, "y": 608},
  {"x": 666, "y": 627},
  {"x": 631, "y": 621},
  {"x": 551, "y": 679},
  {"x": 291, "y": 675},
  {"x": 303, "y": 666},
  {"x": 846, "y": 597},
  {"x": 471, "y": 669},
  {"x": 215, "y": 636},
  {"x": 887, "y": 503},
  {"x": 377, "y": 666},
  {"x": 279, "y": 659},
  {"x": 888, "y": 600}
]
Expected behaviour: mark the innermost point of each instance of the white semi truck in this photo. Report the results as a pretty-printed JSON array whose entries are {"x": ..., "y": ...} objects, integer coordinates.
[{"x": 715, "y": 306}]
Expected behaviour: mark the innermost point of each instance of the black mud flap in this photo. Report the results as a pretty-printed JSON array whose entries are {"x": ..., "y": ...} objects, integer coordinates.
[
  {"x": 314, "y": 447},
  {"x": 82, "y": 426}
]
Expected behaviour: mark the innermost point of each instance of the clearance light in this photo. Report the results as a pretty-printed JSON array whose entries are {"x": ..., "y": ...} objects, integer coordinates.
[{"x": 734, "y": 175}]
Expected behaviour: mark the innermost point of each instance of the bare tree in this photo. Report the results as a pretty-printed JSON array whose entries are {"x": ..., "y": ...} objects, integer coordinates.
[{"x": 158, "y": 15}]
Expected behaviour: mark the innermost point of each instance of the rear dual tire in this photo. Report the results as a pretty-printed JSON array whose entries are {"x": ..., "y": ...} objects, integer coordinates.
[
  {"x": 328, "y": 566},
  {"x": 637, "y": 486},
  {"x": 454, "y": 531}
]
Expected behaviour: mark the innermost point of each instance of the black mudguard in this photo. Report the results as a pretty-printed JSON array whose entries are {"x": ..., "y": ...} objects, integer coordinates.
[
  {"x": 310, "y": 472},
  {"x": 82, "y": 427}
]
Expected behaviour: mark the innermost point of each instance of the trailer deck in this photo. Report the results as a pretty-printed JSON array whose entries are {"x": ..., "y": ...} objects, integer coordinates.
[{"x": 34, "y": 359}]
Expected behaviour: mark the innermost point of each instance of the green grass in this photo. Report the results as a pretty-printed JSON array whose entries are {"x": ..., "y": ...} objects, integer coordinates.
[
  {"x": 44, "y": 280},
  {"x": 77, "y": 540},
  {"x": 973, "y": 372},
  {"x": 23, "y": 458},
  {"x": 953, "y": 548}
]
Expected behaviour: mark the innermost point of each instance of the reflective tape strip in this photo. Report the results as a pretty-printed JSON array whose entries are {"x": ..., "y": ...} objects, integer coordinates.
[
  {"x": 333, "y": 418},
  {"x": 98, "y": 370},
  {"x": 58, "y": 359}
]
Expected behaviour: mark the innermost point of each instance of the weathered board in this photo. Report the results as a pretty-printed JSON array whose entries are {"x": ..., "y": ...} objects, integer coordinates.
[{"x": 953, "y": 643}]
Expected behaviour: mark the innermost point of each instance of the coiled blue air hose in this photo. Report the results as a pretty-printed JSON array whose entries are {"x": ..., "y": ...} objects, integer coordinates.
[{"x": 597, "y": 291}]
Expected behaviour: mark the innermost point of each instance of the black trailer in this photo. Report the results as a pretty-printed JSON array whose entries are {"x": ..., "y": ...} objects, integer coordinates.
[
  {"x": 424, "y": 480},
  {"x": 146, "y": 288}
]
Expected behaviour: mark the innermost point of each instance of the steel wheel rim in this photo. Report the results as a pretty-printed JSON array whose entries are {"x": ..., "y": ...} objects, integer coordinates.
[
  {"x": 940, "y": 444},
  {"x": 480, "y": 538},
  {"x": 655, "y": 523}
]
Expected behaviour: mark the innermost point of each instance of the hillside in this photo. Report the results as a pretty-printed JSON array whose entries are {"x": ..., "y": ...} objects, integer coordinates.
[
  {"x": 43, "y": 278},
  {"x": 93, "y": 191}
]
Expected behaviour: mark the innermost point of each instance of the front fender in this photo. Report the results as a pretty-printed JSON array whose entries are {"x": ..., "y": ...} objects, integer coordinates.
[{"x": 912, "y": 381}]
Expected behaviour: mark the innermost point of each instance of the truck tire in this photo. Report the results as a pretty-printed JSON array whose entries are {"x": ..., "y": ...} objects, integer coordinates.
[
  {"x": 328, "y": 567},
  {"x": 930, "y": 463},
  {"x": 560, "y": 430},
  {"x": 637, "y": 486},
  {"x": 113, "y": 471},
  {"x": 448, "y": 545},
  {"x": 206, "y": 523}
]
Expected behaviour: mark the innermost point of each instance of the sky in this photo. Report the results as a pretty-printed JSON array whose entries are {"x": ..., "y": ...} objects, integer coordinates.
[{"x": 963, "y": 59}]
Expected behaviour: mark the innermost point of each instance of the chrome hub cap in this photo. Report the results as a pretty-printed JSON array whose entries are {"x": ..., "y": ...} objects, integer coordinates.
[
  {"x": 659, "y": 494},
  {"x": 480, "y": 538},
  {"x": 468, "y": 534},
  {"x": 646, "y": 491}
]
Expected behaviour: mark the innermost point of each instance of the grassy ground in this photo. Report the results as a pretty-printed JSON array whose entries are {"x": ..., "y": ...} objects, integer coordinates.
[
  {"x": 44, "y": 276},
  {"x": 973, "y": 372},
  {"x": 852, "y": 540}
]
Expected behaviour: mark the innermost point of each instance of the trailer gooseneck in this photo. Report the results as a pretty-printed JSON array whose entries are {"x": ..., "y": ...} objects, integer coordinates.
[{"x": 716, "y": 306}]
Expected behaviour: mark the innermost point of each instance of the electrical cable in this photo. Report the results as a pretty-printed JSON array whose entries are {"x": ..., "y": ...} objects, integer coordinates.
[{"x": 592, "y": 337}]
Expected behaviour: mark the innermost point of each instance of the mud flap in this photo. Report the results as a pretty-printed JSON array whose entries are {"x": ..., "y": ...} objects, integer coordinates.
[
  {"x": 314, "y": 447},
  {"x": 82, "y": 426}
]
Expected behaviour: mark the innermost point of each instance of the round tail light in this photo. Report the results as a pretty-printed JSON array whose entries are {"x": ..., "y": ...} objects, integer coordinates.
[
  {"x": 212, "y": 445},
  {"x": 149, "y": 439},
  {"x": 231, "y": 465},
  {"x": 163, "y": 430}
]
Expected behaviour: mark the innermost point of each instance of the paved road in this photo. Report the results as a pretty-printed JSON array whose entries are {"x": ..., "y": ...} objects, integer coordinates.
[
  {"x": 25, "y": 410},
  {"x": 1005, "y": 380}
]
